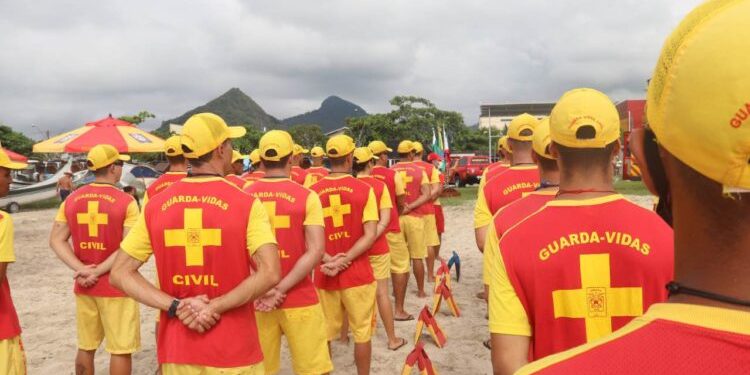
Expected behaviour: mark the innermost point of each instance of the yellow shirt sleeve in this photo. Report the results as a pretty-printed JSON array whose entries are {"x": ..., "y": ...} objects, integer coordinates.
[
  {"x": 61, "y": 214},
  {"x": 482, "y": 214},
  {"x": 507, "y": 315},
  {"x": 137, "y": 243},
  {"x": 425, "y": 180},
  {"x": 259, "y": 231},
  {"x": 6, "y": 239},
  {"x": 385, "y": 199},
  {"x": 313, "y": 211},
  {"x": 132, "y": 215},
  {"x": 483, "y": 179},
  {"x": 435, "y": 178},
  {"x": 371, "y": 208},
  {"x": 308, "y": 180},
  {"x": 398, "y": 180},
  {"x": 145, "y": 199}
]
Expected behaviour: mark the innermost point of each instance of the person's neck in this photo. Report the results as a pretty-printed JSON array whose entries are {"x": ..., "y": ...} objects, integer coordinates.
[
  {"x": 340, "y": 170},
  {"x": 365, "y": 173},
  {"x": 522, "y": 158},
  {"x": 277, "y": 173},
  {"x": 708, "y": 260},
  {"x": 177, "y": 168},
  {"x": 105, "y": 181},
  {"x": 317, "y": 165},
  {"x": 549, "y": 177},
  {"x": 585, "y": 186},
  {"x": 208, "y": 169},
  {"x": 404, "y": 160}
]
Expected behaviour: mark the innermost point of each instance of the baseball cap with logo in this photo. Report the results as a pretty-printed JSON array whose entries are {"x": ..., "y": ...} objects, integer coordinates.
[
  {"x": 275, "y": 145},
  {"x": 317, "y": 152},
  {"x": 521, "y": 128},
  {"x": 503, "y": 143},
  {"x": 699, "y": 96},
  {"x": 300, "y": 150},
  {"x": 542, "y": 140},
  {"x": 363, "y": 155},
  {"x": 237, "y": 156},
  {"x": 101, "y": 156},
  {"x": 172, "y": 146},
  {"x": 379, "y": 147},
  {"x": 405, "y": 147},
  {"x": 582, "y": 109},
  {"x": 418, "y": 147},
  {"x": 255, "y": 156},
  {"x": 204, "y": 132},
  {"x": 339, "y": 146}
]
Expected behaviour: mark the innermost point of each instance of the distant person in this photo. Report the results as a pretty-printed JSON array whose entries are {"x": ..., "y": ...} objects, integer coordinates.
[
  {"x": 86, "y": 234},
  {"x": 258, "y": 170},
  {"x": 589, "y": 261},
  {"x": 12, "y": 357},
  {"x": 235, "y": 169},
  {"x": 176, "y": 171},
  {"x": 65, "y": 186},
  {"x": 432, "y": 237},
  {"x": 298, "y": 173},
  {"x": 505, "y": 159},
  {"x": 317, "y": 170},
  {"x": 436, "y": 161},
  {"x": 696, "y": 153}
]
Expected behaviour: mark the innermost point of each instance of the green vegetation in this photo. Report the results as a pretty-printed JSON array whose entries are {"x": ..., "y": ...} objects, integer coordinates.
[
  {"x": 631, "y": 188},
  {"x": 15, "y": 141},
  {"x": 139, "y": 118},
  {"x": 468, "y": 195},
  {"x": 308, "y": 135},
  {"x": 48, "y": 203}
]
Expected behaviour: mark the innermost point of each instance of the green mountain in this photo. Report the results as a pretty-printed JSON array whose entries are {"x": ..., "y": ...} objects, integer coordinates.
[
  {"x": 331, "y": 115},
  {"x": 235, "y": 107}
]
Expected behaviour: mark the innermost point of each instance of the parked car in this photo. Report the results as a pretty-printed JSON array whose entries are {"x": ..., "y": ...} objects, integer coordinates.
[{"x": 467, "y": 170}]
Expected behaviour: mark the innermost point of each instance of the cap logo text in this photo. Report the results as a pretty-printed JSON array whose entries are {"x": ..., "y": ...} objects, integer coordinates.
[{"x": 740, "y": 116}]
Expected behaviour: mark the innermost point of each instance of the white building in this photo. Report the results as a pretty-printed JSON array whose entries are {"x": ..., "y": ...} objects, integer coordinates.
[{"x": 500, "y": 115}]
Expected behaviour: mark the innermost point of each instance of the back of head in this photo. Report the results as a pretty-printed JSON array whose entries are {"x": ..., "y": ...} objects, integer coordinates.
[
  {"x": 541, "y": 144},
  {"x": 520, "y": 134},
  {"x": 275, "y": 148}
]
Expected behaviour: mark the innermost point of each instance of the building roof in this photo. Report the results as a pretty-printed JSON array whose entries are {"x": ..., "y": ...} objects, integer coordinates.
[{"x": 508, "y": 110}]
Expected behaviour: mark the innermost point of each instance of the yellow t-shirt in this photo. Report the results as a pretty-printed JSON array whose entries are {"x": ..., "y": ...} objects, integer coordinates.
[
  {"x": 7, "y": 254},
  {"x": 398, "y": 180},
  {"x": 313, "y": 210},
  {"x": 259, "y": 232},
  {"x": 370, "y": 212},
  {"x": 507, "y": 315},
  {"x": 385, "y": 199},
  {"x": 482, "y": 214}
]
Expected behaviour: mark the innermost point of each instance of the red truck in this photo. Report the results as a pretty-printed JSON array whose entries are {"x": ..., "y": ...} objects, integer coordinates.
[{"x": 467, "y": 170}]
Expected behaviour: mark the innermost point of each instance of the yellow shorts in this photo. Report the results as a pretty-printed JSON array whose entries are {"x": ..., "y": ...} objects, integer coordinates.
[
  {"x": 431, "y": 237},
  {"x": 304, "y": 328},
  {"x": 177, "y": 369},
  {"x": 381, "y": 266},
  {"x": 12, "y": 357},
  {"x": 358, "y": 303},
  {"x": 412, "y": 227},
  {"x": 115, "y": 318},
  {"x": 399, "y": 252}
]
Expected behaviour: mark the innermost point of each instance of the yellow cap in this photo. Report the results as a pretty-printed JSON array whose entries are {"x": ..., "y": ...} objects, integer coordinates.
[
  {"x": 503, "y": 143},
  {"x": 542, "y": 140},
  {"x": 584, "y": 107},
  {"x": 363, "y": 155},
  {"x": 255, "y": 156},
  {"x": 417, "y": 147},
  {"x": 405, "y": 147},
  {"x": 204, "y": 132},
  {"x": 275, "y": 145},
  {"x": 236, "y": 156},
  {"x": 317, "y": 152},
  {"x": 339, "y": 146},
  {"x": 379, "y": 147},
  {"x": 101, "y": 156},
  {"x": 6, "y": 162},
  {"x": 521, "y": 123},
  {"x": 300, "y": 150},
  {"x": 172, "y": 146},
  {"x": 699, "y": 96}
]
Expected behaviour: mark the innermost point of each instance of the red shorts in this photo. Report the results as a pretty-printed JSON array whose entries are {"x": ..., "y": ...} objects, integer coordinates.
[{"x": 440, "y": 219}]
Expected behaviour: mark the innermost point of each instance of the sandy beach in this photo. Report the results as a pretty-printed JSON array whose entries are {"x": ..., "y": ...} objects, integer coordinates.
[{"x": 42, "y": 289}]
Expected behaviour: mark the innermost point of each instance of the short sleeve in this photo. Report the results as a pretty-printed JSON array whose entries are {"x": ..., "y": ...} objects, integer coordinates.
[
  {"x": 482, "y": 214},
  {"x": 425, "y": 180},
  {"x": 131, "y": 217},
  {"x": 371, "y": 208},
  {"x": 7, "y": 254},
  {"x": 506, "y": 313},
  {"x": 308, "y": 180},
  {"x": 259, "y": 230},
  {"x": 145, "y": 199},
  {"x": 398, "y": 181},
  {"x": 313, "y": 211},
  {"x": 60, "y": 217},
  {"x": 484, "y": 178},
  {"x": 385, "y": 199},
  {"x": 137, "y": 243},
  {"x": 435, "y": 177}
]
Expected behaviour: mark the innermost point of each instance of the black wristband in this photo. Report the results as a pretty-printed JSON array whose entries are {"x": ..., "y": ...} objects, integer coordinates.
[{"x": 172, "y": 312}]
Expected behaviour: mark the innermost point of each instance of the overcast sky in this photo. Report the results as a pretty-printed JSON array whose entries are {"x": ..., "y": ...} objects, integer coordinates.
[{"x": 66, "y": 62}]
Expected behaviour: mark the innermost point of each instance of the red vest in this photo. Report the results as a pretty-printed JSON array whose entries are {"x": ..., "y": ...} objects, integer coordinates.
[
  {"x": 509, "y": 186},
  {"x": 316, "y": 173},
  {"x": 298, "y": 175},
  {"x": 583, "y": 271},
  {"x": 164, "y": 181},
  {"x": 96, "y": 214},
  {"x": 253, "y": 176},
  {"x": 428, "y": 169},
  {"x": 285, "y": 201},
  {"x": 236, "y": 180},
  {"x": 495, "y": 169},
  {"x": 412, "y": 176},
  {"x": 343, "y": 199},
  {"x": 198, "y": 233},
  {"x": 518, "y": 210},
  {"x": 380, "y": 246},
  {"x": 388, "y": 176},
  {"x": 9, "y": 325}
]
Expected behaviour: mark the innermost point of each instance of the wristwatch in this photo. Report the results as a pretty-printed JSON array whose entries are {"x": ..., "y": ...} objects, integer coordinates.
[{"x": 172, "y": 312}]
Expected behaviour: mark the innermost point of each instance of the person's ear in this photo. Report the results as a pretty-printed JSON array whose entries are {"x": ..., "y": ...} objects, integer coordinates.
[{"x": 554, "y": 151}]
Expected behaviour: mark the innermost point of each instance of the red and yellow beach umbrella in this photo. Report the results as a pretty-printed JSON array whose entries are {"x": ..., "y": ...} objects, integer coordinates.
[{"x": 124, "y": 136}]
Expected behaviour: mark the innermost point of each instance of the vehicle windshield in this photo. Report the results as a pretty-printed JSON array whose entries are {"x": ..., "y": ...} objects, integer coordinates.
[{"x": 479, "y": 161}]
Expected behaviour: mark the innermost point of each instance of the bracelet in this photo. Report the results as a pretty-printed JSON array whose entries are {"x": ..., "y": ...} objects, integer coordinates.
[{"x": 172, "y": 312}]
